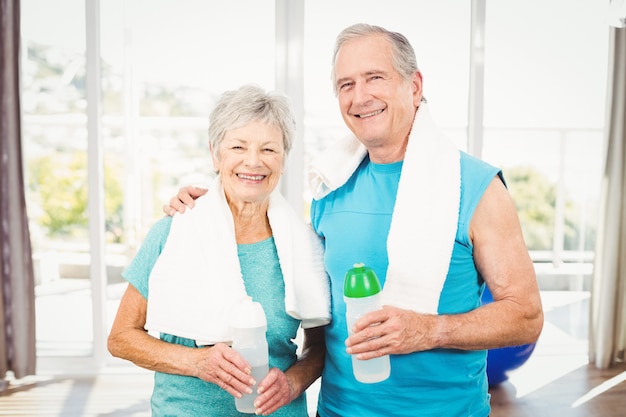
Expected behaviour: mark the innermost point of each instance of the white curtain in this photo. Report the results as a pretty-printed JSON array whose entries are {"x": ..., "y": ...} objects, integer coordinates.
[
  {"x": 17, "y": 293},
  {"x": 608, "y": 299}
]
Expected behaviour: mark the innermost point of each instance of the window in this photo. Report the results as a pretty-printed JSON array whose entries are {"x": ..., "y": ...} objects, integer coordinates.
[
  {"x": 545, "y": 87},
  {"x": 163, "y": 66},
  {"x": 165, "y": 63}
]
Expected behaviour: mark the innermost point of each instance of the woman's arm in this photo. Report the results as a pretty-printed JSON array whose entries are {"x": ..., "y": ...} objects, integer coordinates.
[{"x": 130, "y": 340}]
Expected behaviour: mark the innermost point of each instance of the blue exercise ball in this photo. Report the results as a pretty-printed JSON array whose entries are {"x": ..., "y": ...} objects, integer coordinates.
[{"x": 505, "y": 359}]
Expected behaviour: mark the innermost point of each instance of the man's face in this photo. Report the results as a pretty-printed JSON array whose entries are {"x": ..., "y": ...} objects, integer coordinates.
[{"x": 376, "y": 103}]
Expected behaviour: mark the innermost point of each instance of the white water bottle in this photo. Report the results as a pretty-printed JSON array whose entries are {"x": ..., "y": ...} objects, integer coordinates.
[
  {"x": 362, "y": 294},
  {"x": 249, "y": 326}
]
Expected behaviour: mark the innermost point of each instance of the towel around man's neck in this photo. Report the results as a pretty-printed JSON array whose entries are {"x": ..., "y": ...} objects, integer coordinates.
[
  {"x": 196, "y": 281},
  {"x": 424, "y": 221}
]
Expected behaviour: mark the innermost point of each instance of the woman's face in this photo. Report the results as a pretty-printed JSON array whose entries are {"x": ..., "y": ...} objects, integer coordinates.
[{"x": 250, "y": 161}]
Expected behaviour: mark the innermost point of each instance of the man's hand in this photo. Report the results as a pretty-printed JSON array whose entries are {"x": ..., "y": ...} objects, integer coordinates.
[
  {"x": 391, "y": 330},
  {"x": 184, "y": 198}
]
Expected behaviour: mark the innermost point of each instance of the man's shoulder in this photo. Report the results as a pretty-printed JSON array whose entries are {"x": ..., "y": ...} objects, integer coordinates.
[{"x": 471, "y": 161}]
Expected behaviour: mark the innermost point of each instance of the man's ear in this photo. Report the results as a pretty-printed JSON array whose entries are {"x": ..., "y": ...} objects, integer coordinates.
[{"x": 417, "y": 88}]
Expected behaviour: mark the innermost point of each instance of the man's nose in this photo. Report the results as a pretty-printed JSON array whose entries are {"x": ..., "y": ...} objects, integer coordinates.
[{"x": 361, "y": 94}]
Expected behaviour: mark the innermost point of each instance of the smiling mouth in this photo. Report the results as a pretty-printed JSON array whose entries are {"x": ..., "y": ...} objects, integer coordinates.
[
  {"x": 366, "y": 115},
  {"x": 251, "y": 177}
]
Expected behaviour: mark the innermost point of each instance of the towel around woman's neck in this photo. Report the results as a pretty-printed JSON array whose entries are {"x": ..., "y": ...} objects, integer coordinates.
[
  {"x": 196, "y": 281},
  {"x": 425, "y": 216}
]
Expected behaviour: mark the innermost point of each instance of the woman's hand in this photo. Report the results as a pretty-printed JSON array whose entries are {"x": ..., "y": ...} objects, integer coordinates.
[
  {"x": 224, "y": 367},
  {"x": 275, "y": 391},
  {"x": 280, "y": 388},
  {"x": 218, "y": 364}
]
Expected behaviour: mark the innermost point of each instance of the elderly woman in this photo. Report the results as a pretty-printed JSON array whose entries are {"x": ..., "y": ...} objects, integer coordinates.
[{"x": 241, "y": 240}]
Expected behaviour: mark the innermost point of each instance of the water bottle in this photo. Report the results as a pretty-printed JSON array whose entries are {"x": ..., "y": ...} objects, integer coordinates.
[
  {"x": 361, "y": 290},
  {"x": 249, "y": 327}
]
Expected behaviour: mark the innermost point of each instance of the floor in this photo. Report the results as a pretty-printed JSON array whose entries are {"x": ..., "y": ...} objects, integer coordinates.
[
  {"x": 556, "y": 380},
  {"x": 582, "y": 392},
  {"x": 110, "y": 393}
]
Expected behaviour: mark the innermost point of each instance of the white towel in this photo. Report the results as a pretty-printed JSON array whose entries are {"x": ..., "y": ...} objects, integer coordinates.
[
  {"x": 425, "y": 217},
  {"x": 197, "y": 280},
  {"x": 335, "y": 166}
]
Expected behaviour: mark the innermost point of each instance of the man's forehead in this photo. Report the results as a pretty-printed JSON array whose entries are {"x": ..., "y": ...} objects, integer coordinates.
[{"x": 363, "y": 56}]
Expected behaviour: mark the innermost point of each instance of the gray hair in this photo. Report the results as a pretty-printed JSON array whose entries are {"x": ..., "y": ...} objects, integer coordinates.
[
  {"x": 237, "y": 108},
  {"x": 402, "y": 53}
]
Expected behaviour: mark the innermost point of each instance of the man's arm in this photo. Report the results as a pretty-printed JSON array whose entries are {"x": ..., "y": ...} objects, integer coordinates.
[
  {"x": 184, "y": 198},
  {"x": 515, "y": 317}
]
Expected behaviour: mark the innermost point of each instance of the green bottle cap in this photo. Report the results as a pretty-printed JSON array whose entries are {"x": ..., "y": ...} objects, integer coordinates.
[{"x": 361, "y": 281}]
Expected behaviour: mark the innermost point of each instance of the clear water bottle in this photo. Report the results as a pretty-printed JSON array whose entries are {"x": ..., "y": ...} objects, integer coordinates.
[
  {"x": 249, "y": 339},
  {"x": 362, "y": 294}
]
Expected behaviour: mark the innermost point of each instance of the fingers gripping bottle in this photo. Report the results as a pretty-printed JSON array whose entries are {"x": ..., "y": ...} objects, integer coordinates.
[
  {"x": 249, "y": 327},
  {"x": 362, "y": 294}
]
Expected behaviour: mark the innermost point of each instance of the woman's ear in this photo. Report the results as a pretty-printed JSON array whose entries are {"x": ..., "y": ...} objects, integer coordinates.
[{"x": 214, "y": 157}]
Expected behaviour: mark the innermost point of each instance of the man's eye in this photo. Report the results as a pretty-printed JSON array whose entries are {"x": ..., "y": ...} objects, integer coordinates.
[{"x": 344, "y": 86}]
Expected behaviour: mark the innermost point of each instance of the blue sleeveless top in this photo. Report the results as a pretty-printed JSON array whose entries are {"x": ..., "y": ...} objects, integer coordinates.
[{"x": 354, "y": 222}]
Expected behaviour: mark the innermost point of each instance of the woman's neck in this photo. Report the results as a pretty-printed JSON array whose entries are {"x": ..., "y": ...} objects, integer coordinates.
[{"x": 251, "y": 222}]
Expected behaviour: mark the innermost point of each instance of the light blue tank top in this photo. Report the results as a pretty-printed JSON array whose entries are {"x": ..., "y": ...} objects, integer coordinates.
[
  {"x": 176, "y": 395},
  {"x": 354, "y": 221}
]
